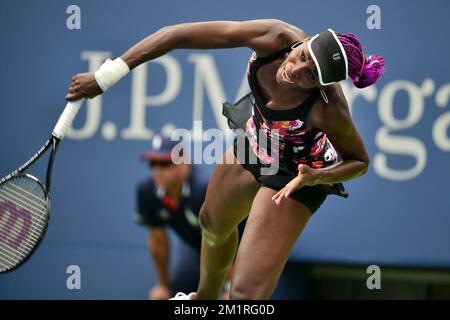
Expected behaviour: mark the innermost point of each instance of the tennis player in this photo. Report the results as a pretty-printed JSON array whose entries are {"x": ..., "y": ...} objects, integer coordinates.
[{"x": 298, "y": 103}]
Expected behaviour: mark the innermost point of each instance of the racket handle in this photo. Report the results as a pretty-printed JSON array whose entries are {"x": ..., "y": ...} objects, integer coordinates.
[{"x": 66, "y": 118}]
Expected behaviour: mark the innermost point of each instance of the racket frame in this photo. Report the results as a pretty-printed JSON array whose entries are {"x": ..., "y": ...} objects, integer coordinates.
[{"x": 63, "y": 123}]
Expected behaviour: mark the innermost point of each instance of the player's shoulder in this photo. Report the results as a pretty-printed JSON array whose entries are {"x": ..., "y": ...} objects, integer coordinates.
[
  {"x": 278, "y": 34},
  {"x": 338, "y": 107},
  {"x": 335, "y": 115}
]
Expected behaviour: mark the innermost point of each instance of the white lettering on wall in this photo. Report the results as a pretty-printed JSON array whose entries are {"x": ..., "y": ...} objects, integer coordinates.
[{"x": 388, "y": 142}]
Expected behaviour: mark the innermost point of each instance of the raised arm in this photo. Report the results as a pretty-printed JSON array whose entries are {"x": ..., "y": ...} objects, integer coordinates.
[{"x": 263, "y": 36}]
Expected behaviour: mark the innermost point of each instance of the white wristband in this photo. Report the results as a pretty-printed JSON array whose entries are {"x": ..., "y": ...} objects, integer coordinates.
[
  {"x": 227, "y": 285},
  {"x": 110, "y": 72}
]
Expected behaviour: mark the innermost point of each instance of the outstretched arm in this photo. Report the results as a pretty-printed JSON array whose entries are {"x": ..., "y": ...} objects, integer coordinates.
[{"x": 263, "y": 36}]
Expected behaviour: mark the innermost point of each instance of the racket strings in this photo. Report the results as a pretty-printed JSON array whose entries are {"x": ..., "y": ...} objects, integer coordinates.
[
  {"x": 23, "y": 219},
  {"x": 20, "y": 198},
  {"x": 12, "y": 254},
  {"x": 13, "y": 197}
]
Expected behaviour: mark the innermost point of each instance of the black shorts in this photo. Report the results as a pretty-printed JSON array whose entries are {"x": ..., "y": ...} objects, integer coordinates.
[{"x": 310, "y": 196}]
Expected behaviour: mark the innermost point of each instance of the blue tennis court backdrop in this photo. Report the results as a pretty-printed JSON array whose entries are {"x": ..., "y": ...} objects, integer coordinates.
[{"x": 397, "y": 214}]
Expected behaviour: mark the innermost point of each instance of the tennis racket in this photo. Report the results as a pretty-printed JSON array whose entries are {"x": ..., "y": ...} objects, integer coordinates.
[{"x": 25, "y": 201}]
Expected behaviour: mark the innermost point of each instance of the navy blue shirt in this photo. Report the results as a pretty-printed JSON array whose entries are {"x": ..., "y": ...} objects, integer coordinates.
[{"x": 156, "y": 210}]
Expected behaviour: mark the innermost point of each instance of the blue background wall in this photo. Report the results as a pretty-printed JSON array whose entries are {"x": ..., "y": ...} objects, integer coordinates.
[{"x": 397, "y": 214}]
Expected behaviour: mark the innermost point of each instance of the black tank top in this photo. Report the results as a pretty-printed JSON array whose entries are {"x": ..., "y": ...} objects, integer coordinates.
[{"x": 295, "y": 143}]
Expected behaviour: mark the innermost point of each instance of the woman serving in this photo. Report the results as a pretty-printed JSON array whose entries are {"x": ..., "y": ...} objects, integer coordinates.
[{"x": 299, "y": 108}]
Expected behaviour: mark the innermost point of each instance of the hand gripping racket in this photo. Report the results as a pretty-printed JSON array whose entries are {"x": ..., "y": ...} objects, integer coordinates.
[{"x": 25, "y": 201}]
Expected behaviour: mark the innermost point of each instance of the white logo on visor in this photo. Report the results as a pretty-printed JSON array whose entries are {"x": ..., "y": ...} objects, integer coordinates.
[{"x": 336, "y": 56}]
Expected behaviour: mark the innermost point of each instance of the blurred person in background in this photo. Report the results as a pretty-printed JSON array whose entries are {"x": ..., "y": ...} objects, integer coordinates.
[{"x": 172, "y": 197}]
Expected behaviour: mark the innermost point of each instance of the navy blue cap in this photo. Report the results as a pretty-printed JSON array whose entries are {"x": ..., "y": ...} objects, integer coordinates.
[{"x": 160, "y": 149}]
